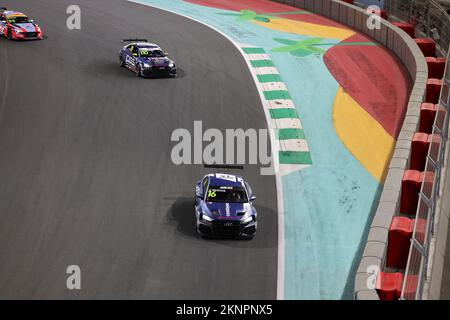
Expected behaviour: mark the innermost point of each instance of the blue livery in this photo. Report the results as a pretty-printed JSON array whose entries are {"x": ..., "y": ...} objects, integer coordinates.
[
  {"x": 146, "y": 59},
  {"x": 224, "y": 208}
]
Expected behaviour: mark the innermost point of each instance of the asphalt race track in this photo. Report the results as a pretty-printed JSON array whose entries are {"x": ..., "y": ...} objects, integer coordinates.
[{"x": 86, "y": 176}]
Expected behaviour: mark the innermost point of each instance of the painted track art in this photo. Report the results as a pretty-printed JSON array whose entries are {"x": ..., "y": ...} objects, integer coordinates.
[{"x": 349, "y": 95}]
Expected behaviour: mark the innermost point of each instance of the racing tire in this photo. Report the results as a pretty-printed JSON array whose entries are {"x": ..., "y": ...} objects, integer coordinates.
[
  {"x": 9, "y": 34},
  {"x": 139, "y": 72},
  {"x": 122, "y": 63},
  {"x": 201, "y": 235}
]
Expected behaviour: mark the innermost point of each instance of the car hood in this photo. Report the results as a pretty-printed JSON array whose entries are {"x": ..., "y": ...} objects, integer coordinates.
[
  {"x": 29, "y": 27},
  {"x": 225, "y": 210},
  {"x": 157, "y": 62}
]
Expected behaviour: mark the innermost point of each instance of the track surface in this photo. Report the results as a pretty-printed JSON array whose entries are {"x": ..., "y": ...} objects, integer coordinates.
[{"x": 85, "y": 170}]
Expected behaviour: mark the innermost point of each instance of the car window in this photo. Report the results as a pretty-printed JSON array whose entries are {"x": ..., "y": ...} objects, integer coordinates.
[
  {"x": 18, "y": 19},
  {"x": 249, "y": 190},
  {"x": 226, "y": 194},
  {"x": 133, "y": 49},
  {"x": 151, "y": 53}
]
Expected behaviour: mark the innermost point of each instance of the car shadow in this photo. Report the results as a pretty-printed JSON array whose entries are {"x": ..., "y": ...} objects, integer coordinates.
[
  {"x": 181, "y": 215},
  {"x": 22, "y": 41},
  {"x": 108, "y": 68},
  {"x": 113, "y": 68}
]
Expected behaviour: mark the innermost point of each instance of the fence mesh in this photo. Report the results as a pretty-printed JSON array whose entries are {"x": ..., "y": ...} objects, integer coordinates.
[
  {"x": 416, "y": 268},
  {"x": 429, "y": 17}
]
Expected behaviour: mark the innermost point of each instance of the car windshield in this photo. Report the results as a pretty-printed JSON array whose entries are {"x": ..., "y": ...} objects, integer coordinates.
[
  {"x": 151, "y": 53},
  {"x": 226, "y": 194},
  {"x": 18, "y": 19}
]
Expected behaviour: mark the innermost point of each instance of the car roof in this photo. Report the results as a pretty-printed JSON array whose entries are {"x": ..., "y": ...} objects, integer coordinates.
[
  {"x": 141, "y": 45},
  {"x": 147, "y": 45},
  {"x": 226, "y": 180},
  {"x": 14, "y": 13}
]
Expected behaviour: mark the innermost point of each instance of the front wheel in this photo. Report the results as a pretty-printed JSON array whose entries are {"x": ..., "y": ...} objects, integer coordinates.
[
  {"x": 199, "y": 233},
  {"x": 9, "y": 34},
  {"x": 139, "y": 72}
]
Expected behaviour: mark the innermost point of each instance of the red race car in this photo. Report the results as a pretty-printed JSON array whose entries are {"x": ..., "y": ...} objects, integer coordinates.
[{"x": 16, "y": 25}]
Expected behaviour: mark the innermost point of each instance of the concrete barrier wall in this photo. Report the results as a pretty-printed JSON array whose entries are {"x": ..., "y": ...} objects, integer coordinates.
[{"x": 409, "y": 53}]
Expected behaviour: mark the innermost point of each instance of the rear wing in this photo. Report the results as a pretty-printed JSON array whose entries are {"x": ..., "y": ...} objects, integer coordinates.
[
  {"x": 134, "y": 40},
  {"x": 223, "y": 166}
]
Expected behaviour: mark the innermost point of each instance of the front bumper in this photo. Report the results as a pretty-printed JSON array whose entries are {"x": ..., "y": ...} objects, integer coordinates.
[
  {"x": 28, "y": 35},
  {"x": 227, "y": 228},
  {"x": 159, "y": 71}
]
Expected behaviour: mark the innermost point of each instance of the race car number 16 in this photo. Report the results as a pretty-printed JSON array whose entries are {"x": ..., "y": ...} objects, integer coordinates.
[{"x": 211, "y": 193}]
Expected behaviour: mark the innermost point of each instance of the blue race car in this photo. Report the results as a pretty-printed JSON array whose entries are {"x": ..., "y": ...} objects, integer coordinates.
[
  {"x": 146, "y": 59},
  {"x": 224, "y": 208}
]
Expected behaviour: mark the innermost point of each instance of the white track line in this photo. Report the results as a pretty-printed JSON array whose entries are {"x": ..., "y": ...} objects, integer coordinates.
[
  {"x": 264, "y": 70},
  {"x": 258, "y": 56}
]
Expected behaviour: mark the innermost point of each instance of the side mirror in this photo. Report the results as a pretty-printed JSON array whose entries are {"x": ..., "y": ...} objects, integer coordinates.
[
  {"x": 31, "y": 20},
  {"x": 198, "y": 192},
  {"x": 166, "y": 53},
  {"x": 252, "y": 198}
]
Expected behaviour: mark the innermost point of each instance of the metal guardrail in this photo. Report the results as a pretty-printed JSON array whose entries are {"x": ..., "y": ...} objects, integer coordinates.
[
  {"x": 429, "y": 17},
  {"x": 416, "y": 268}
]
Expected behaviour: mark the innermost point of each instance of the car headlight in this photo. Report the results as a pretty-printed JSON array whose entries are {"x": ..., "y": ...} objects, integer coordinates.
[
  {"x": 248, "y": 216},
  {"x": 206, "y": 218},
  {"x": 171, "y": 64},
  {"x": 17, "y": 30},
  {"x": 146, "y": 65}
]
